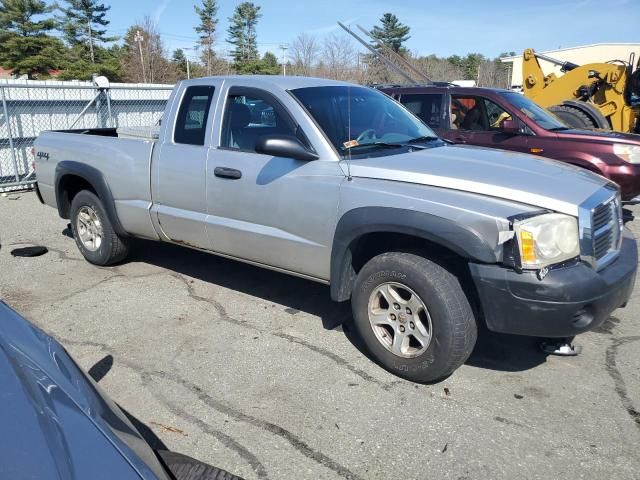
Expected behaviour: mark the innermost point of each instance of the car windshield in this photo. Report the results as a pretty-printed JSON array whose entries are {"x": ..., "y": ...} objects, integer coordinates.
[
  {"x": 542, "y": 117},
  {"x": 361, "y": 122}
]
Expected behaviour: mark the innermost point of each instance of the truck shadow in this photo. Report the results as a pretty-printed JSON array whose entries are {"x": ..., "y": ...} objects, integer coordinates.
[{"x": 510, "y": 353}]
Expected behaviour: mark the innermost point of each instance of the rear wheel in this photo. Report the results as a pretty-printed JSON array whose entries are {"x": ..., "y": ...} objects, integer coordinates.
[
  {"x": 93, "y": 232},
  {"x": 573, "y": 117},
  {"x": 413, "y": 316}
]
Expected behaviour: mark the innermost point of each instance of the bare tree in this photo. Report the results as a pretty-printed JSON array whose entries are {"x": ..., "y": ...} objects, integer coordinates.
[
  {"x": 147, "y": 55},
  {"x": 438, "y": 69},
  {"x": 339, "y": 58},
  {"x": 305, "y": 51},
  {"x": 493, "y": 73}
]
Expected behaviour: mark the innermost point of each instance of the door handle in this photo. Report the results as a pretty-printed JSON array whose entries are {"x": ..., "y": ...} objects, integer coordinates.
[
  {"x": 460, "y": 140},
  {"x": 225, "y": 172}
]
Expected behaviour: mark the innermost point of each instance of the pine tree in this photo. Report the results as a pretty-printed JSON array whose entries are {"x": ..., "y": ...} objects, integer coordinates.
[
  {"x": 392, "y": 33},
  {"x": 25, "y": 46},
  {"x": 207, "y": 29},
  {"x": 242, "y": 33},
  {"x": 179, "y": 59},
  {"x": 83, "y": 25}
]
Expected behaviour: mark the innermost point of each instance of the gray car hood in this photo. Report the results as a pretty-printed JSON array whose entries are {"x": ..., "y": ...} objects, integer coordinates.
[{"x": 513, "y": 176}]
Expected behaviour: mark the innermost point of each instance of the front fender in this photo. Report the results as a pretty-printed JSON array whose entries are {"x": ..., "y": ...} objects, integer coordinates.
[{"x": 355, "y": 223}]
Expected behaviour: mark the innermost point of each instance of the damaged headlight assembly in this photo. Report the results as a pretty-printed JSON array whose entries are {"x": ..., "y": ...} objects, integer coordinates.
[{"x": 544, "y": 240}]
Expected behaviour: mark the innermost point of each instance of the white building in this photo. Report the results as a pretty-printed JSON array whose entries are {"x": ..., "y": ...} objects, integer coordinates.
[{"x": 596, "y": 53}]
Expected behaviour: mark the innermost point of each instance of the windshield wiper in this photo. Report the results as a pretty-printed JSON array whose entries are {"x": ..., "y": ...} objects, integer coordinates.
[
  {"x": 557, "y": 129},
  {"x": 388, "y": 145},
  {"x": 376, "y": 144},
  {"x": 422, "y": 139}
]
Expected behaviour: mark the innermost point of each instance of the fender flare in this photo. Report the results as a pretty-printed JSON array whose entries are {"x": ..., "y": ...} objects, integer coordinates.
[
  {"x": 461, "y": 239},
  {"x": 94, "y": 177}
]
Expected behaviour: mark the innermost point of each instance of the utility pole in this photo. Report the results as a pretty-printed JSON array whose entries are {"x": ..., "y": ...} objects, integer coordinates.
[
  {"x": 140, "y": 38},
  {"x": 186, "y": 57},
  {"x": 284, "y": 48},
  {"x": 93, "y": 58}
]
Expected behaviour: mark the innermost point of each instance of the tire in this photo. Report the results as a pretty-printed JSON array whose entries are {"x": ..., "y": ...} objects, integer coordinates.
[
  {"x": 572, "y": 116},
  {"x": 182, "y": 467},
  {"x": 446, "y": 316},
  {"x": 87, "y": 209}
]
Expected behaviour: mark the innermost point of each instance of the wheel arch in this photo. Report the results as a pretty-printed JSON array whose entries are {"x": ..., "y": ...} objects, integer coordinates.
[
  {"x": 71, "y": 177},
  {"x": 364, "y": 232}
]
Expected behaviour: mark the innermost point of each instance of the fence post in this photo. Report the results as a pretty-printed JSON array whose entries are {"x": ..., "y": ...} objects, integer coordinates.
[
  {"x": 108, "y": 94},
  {"x": 8, "y": 122}
]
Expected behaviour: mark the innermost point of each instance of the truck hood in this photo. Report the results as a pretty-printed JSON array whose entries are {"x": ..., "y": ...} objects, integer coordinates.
[{"x": 512, "y": 176}]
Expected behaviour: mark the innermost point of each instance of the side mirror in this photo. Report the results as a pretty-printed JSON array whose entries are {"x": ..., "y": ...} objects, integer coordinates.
[
  {"x": 510, "y": 126},
  {"x": 284, "y": 146}
]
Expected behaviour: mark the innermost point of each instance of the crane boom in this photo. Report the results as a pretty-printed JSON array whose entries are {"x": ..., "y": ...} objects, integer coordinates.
[
  {"x": 384, "y": 59},
  {"x": 397, "y": 57}
]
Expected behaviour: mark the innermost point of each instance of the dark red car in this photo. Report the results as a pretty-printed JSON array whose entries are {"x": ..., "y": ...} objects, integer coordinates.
[{"x": 507, "y": 120}]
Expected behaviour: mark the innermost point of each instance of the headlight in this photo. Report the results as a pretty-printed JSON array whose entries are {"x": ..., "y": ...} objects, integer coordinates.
[
  {"x": 628, "y": 153},
  {"x": 547, "y": 239}
]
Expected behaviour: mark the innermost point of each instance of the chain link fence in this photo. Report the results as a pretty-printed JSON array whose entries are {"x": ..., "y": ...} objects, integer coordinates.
[{"x": 30, "y": 107}]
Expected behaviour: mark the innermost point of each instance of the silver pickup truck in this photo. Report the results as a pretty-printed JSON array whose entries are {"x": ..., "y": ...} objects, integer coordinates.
[{"x": 340, "y": 184}]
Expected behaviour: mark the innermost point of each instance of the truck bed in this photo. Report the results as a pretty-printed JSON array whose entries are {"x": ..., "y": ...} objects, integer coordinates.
[{"x": 122, "y": 159}]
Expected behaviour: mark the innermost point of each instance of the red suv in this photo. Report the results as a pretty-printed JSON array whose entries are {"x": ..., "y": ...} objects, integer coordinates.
[{"x": 507, "y": 120}]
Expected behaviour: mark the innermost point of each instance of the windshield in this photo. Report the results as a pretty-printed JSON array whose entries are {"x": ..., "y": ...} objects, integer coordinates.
[
  {"x": 542, "y": 117},
  {"x": 359, "y": 120}
]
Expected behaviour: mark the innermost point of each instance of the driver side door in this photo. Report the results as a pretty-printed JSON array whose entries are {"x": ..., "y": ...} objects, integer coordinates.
[{"x": 272, "y": 210}]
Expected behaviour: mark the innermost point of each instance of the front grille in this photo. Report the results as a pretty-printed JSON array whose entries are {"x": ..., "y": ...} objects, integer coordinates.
[
  {"x": 606, "y": 228},
  {"x": 601, "y": 228}
]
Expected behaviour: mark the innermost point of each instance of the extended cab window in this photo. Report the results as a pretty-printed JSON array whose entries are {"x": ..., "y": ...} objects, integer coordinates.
[
  {"x": 426, "y": 106},
  {"x": 250, "y": 114},
  {"x": 476, "y": 113},
  {"x": 191, "y": 122}
]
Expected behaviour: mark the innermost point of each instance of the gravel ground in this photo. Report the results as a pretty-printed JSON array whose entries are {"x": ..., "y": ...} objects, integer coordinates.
[{"x": 252, "y": 371}]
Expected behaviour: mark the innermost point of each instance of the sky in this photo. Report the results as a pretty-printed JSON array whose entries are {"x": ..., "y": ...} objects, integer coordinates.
[{"x": 445, "y": 28}]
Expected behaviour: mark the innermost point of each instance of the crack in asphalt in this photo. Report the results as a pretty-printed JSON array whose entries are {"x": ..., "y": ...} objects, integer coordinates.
[
  {"x": 222, "y": 312},
  {"x": 222, "y": 437},
  {"x": 326, "y": 353},
  {"x": 146, "y": 376},
  {"x": 614, "y": 372},
  {"x": 219, "y": 406},
  {"x": 335, "y": 358},
  {"x": 297, "y": 443},
  {"x": 101, "y": 282},
  {"x": 87, "y": 288}
]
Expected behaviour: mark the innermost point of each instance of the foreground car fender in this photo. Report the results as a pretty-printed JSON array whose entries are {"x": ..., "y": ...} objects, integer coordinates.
[{"x": 56, "y": 423}]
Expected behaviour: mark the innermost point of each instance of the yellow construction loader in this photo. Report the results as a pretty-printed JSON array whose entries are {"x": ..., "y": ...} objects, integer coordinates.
[{"x": 597, "y": 95}]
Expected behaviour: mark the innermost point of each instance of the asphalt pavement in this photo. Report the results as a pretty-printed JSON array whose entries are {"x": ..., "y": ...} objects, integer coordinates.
[{"x": 254, "y": 372}]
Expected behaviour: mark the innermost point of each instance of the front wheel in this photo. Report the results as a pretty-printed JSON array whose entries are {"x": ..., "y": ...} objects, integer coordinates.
[
  {"x": 413, "y": 316},
  {"x": 93, "y": 232},
  {"x": 187, "y": 468}
]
